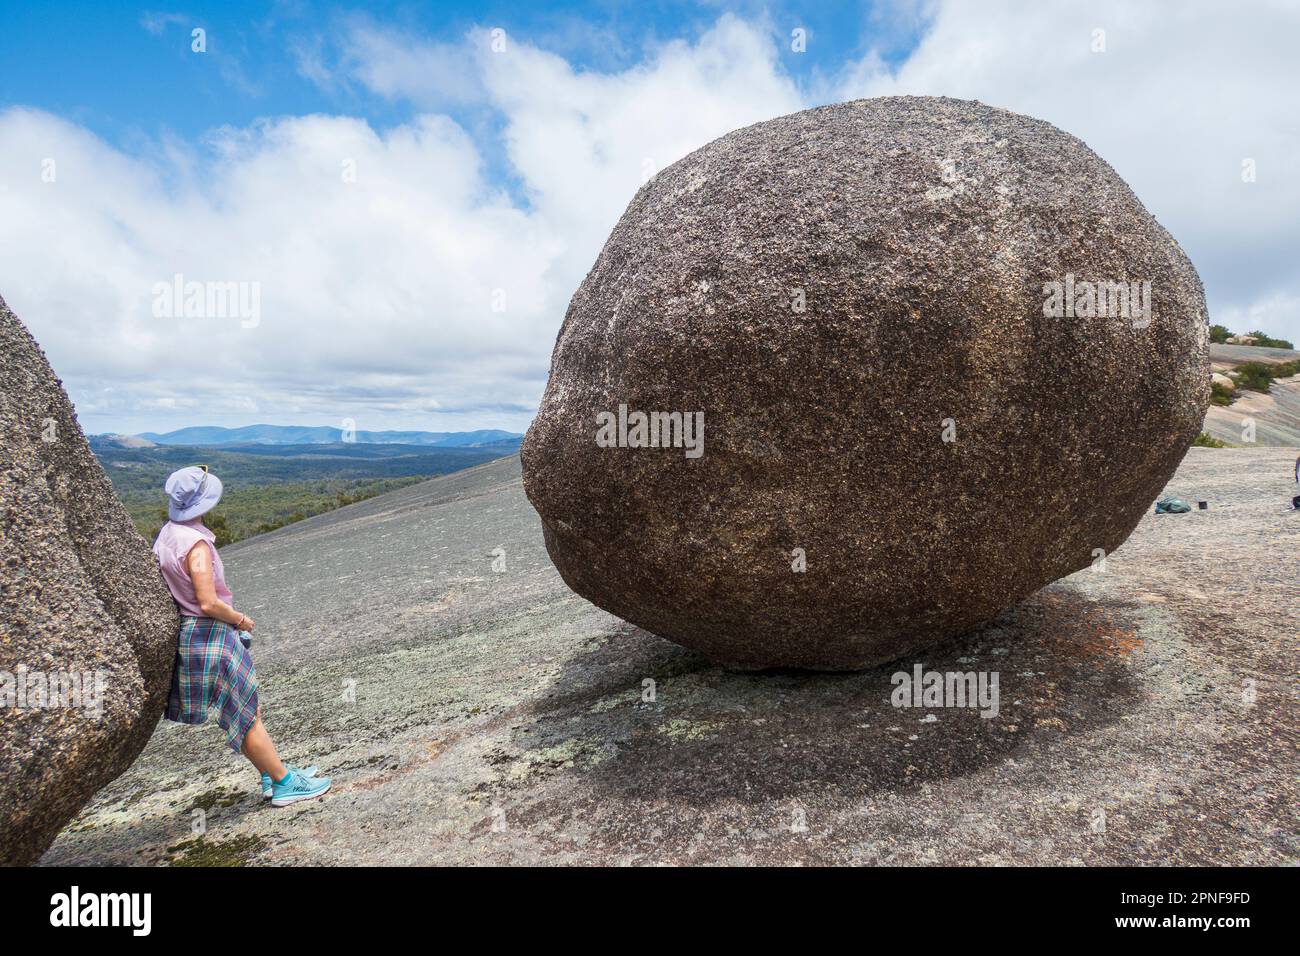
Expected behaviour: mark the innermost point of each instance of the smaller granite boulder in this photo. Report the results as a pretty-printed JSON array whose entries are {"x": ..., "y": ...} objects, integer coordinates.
[{"x": 87, "y": 627}]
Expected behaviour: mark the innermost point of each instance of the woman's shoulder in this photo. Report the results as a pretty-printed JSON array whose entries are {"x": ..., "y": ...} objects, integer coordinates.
[{"x": 181, "y": 536}]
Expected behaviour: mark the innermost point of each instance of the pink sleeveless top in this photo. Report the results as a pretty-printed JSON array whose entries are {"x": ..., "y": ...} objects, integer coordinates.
[{"x": 171, "y": 548}]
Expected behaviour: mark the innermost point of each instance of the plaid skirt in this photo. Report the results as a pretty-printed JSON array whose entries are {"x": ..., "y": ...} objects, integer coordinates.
[{"x": 213, "y": 669}]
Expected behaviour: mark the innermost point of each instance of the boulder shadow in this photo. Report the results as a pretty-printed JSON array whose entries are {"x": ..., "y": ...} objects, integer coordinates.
[{"x": 1064, "y": 665}]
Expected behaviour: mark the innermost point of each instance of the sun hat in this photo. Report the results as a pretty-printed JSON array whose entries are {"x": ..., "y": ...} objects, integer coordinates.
[{"x": 192, "y": 492}]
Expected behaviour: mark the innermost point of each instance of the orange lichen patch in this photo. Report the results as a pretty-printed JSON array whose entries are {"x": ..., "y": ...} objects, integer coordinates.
[
  {"x": 433, "y": 750},
  {"x": 1109, "y": 642},
  {"x": 1127, "y": 643},
  {"x": 370, "y": 783},
  {"x": 1092, "y": 634}
]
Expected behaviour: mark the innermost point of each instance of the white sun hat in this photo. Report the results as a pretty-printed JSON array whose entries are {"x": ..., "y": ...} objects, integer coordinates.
[{"x": 192, "y": 492}]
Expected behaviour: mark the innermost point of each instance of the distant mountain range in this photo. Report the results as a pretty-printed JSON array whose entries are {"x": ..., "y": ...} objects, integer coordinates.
[{"x": 311, "y": 435}]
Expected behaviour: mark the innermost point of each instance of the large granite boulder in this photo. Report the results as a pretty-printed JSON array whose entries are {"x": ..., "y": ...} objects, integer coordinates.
[
  {"x": 87, "y": 628},
  {"x": 902, "y": 323}
]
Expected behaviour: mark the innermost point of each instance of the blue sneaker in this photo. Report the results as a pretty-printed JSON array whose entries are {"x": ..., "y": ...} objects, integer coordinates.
[
  {"x": 295, "y": 787},
  {"x": 268, "y": 784}
]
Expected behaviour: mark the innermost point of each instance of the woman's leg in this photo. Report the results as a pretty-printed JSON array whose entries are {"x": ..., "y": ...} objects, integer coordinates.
[{"x": 259, "y": 748}]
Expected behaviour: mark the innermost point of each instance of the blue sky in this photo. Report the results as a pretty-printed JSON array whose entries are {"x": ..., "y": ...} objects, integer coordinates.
[
  {"x": 127, "y": 72},
  {"x": 426, "y": 290}
]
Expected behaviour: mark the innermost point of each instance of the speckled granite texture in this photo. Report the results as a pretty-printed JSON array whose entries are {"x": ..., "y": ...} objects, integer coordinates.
[
  {"x": 80, "y": 594},
  {"x": 832, "y": 289}
]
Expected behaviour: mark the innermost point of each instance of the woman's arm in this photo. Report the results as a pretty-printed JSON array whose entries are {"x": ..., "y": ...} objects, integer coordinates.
[{"x": 199, "y": 563}]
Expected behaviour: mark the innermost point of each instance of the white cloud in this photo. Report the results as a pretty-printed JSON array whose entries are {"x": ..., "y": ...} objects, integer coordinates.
[
  {"x": 376, "y": 296},
  {"x": 583, "y": 143},
  {"x": 1181, "y": 95},
  {"x": 380, "y": 284},
  {"x": 157, "y": 23},
  {"x": 397, "y": 66}
]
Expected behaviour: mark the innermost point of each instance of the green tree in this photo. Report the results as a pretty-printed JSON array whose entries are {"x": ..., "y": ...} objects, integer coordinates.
[
  {"x": 217, "y": 525},
  {"x": 1221, "y": 394},
  {"x": 1219, "y": 334},
  {"x": 1268, "y": 342}
]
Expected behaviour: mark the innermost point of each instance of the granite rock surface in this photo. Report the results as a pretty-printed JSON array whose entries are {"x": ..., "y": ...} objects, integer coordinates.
[{"x": 916, "y": 394}]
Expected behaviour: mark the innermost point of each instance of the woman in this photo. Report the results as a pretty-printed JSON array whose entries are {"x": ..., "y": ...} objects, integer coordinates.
[{"x": 213, "y": 667}]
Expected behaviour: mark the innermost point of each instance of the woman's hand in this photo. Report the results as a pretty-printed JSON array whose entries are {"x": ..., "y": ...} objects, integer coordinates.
[{"x": 245, "y": 623}]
